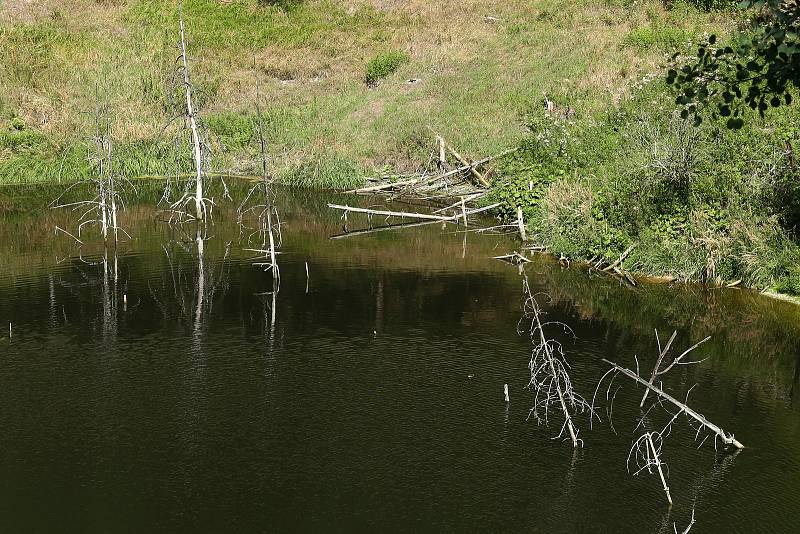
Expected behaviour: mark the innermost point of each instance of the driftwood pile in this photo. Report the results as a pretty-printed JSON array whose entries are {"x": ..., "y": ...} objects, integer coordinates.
[
  {"x": 447, "y": 174},
  {"x": 451, "y": 184}
]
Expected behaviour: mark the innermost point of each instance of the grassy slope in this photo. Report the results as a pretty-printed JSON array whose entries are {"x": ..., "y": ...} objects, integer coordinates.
[
  {"x": 616, "y": 173},
  {"x": 326, "y": 127}
]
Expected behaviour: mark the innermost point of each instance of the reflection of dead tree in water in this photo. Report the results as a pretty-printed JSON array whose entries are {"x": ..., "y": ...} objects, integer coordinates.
[
  {"x": 269, "y": 230},
  {"x": 268, "y": 219},
  {"x": 549, "y": 372},
  {"x": 99, "y": 277},
  {"x": 713, "y": 479},
  {"x": 110, "y": 292},
  {"x": 646, "y": 453},
  {"x": 194, "y": 287},
  {"x": 201, "y": 282},
  {"x": 793, "y": 398},
  {"x": 688, "y": 527},
  {"x": 102, "y": 211}
]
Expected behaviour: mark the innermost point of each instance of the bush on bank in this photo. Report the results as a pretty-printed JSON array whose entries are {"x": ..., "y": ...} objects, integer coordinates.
[{"x": 702, "y": 203}]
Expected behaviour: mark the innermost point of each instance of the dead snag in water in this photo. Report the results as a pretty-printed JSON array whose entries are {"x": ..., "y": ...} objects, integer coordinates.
[
  {"x": 698, "y": 418},
  {"x": 677, "y": 361},
  {"x": 198, "y": 146},
  {"x": 549, "y": 372},
  {"x": 103, "y": 209},
  {"x": 646, "y": 452},
  {"x": 200, "y": 210},
  {"x": 268, "y": 217}
]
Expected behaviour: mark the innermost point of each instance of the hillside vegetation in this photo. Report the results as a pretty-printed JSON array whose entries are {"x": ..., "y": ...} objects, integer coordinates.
[
  {"x": 353, "y": 88},
  {"x": 478, "y": 65}
]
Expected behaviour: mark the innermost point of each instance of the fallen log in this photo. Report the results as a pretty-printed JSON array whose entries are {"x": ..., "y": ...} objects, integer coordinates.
[
  {"x": 467, "y": 198},
  {"x": 395, "y": 213},
  {"x": 481, "y": 179},
  {"x": 422, "y": 179},
  {"x": 514, "y": 257},
  {"x": 411, "y": 215},
  {"x": 727, "y": 439},
  {"x": 521, "y": 224},
  {"x": 389, "y": 185},
  {"x": 622, "y": 257}
]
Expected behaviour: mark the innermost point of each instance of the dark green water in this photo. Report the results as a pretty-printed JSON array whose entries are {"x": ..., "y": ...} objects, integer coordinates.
[{"x": 370, "y": 398}]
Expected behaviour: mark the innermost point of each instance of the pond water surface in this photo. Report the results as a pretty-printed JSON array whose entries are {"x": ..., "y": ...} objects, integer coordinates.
[{"x": 156, "y": 388}]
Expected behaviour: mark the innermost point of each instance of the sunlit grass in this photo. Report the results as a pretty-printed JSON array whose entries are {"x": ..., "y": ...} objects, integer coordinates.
[{"x": 474, "y": 76}]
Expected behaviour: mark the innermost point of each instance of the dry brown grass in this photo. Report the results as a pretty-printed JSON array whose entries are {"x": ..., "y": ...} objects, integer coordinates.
[{"x": 477, "y": 75}]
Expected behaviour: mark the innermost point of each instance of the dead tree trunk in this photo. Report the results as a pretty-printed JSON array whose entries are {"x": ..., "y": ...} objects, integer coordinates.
[
  {"x": 191, "y": 117},
  {"x": 727, "y": 439},
  {"x": 550, "y": 379}
]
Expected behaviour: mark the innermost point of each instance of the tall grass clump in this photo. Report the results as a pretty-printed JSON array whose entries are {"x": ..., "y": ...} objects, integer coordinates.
[{"x": 325, "y": 171}]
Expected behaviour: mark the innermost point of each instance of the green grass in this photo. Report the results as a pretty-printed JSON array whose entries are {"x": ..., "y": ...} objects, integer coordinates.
[
  {"x": 384, "y": 64},
  {"x": 311, "y": 59},
  {"x": 241, "y": 26}
]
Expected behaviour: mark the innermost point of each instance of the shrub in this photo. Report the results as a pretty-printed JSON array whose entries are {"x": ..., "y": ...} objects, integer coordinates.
[
  {"x": 286, "y": 5},
  {"x": 705, "y": 5},
  {"x": 670, "y": 153},
  {"x": 17, "y": 123},
  {"x": 383, "y": 65}
]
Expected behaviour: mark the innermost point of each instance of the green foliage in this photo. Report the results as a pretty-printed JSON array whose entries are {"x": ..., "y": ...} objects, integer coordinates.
[
  {"x": 526, "y": 176},
  {"x": 706, "y": 5},
  {"x": 789, "y": 283},
  {"x": 237, "y": 25},
  {"x": 325, "y": 171},
  {"x": 28, "y": 50},
  {"x": 35, "y": 160},
  {"x": 760, "y": 69},
  {"x": 702, "y": 203},
  {"x": 286, "y": 5},
  {"x": 29, "y": 166},
  {"x": 385, "y": 64},
  {"x": 17, "y": 123}
]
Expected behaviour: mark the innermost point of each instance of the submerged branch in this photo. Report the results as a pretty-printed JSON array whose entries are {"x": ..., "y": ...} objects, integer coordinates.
[{"x": 726, "y": 438}]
